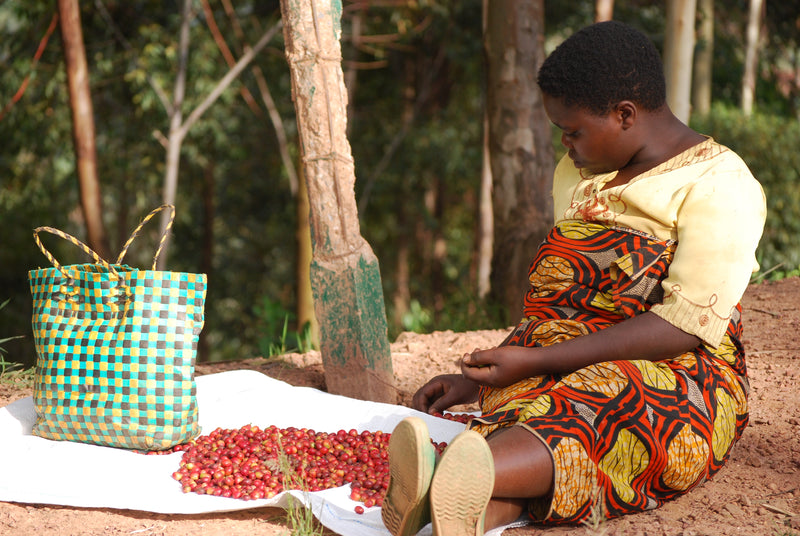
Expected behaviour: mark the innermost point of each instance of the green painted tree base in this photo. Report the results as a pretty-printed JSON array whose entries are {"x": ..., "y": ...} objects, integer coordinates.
[{"x": 349, "y": 305}]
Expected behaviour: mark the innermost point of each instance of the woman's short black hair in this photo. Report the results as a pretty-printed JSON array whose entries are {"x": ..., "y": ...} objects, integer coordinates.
[{"x": 602, "y": 65}]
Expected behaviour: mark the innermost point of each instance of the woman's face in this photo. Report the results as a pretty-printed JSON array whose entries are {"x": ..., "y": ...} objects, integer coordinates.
[{"x": 597, "y": 143}]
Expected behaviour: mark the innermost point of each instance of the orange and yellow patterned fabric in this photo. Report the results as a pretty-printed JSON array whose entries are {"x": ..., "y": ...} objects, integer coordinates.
[{"x": 625, "y": 436}]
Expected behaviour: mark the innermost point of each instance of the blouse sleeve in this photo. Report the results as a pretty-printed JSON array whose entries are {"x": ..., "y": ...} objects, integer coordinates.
[{"x": 719, "y": 225}]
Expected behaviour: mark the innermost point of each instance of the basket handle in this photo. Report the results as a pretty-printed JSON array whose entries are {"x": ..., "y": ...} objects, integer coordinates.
[
  {"x": 86, "y": 249},
  {"x": 138, "y": 229}
]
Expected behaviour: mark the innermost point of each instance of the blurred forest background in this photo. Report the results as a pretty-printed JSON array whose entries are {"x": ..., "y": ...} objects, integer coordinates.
[{"x": 416, "y": 75}]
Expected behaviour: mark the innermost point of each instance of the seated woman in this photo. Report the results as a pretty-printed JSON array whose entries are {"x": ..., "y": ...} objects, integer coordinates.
[{"x": 625, "y": 384}]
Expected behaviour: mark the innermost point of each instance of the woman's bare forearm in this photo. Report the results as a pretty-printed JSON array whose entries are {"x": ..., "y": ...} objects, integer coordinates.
[{"x": 646, "y": 336}]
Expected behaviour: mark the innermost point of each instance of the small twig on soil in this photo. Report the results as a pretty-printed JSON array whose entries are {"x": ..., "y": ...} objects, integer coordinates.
[
  {"x": 784, "y": 492},
  {"x": 773, "y": 315},
  {"x": 776, "y": 509}
]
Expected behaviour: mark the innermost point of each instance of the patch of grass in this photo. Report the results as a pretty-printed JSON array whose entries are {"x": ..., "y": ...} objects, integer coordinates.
[
  {"x": 596, "y": 522},
  {"x": 10, "y": 372},
  {"x": 275, "y": 338},
  {"x": 776, "y": 273},
  {"x": 19, "y": 379},
  {"x": 788, "y": 528},
  {"x": 300, "y": 519}
]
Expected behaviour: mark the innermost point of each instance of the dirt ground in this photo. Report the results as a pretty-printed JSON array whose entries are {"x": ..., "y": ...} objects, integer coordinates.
[{"x": 756, "y": 494}]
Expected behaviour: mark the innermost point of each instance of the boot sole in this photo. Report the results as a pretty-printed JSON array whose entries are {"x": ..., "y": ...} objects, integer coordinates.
[
  {"x": 462, "y": 486},
  {"x": 406, "y": 508}
]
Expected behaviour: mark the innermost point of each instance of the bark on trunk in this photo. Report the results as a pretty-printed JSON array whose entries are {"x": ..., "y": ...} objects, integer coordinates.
[{"x": 305, "y": 296}]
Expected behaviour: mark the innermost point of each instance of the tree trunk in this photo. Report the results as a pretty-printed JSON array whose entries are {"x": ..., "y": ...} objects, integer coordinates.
[
  {"x": 83, "y": 126},
  {"x": 439, "y": 253},
  {"x": 603, "y": 10},
  {"x": 678, "y": 52},
  {"x": 485, "y": 228},
  {"x": 520, "y": 143},
  {"x": 207, "y": 259},
  {"x": 401, "y": 298},
  {"x": 703, "y": 59},
  {"x": 175, "y": 139},
  {"x": 305, "y": 296},
  {"x": 179, "y": 128},
  {"x": 754, "y": 18},
  {"x": 345, "y": 277}
]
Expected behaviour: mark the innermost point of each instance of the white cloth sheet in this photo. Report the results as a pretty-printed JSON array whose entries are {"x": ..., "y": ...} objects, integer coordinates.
[{"x": 74, "y": 474}]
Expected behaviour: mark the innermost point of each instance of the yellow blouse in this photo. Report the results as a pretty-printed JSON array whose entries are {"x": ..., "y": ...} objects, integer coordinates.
[{"x": 707, "y": 201}]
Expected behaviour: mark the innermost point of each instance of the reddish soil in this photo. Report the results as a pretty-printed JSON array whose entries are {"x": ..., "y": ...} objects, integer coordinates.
[{"x": 756, "y": 494}]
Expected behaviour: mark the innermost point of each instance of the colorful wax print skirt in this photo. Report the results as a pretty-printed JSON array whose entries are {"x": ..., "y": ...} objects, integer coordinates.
[{"x": 625, "y": 436}]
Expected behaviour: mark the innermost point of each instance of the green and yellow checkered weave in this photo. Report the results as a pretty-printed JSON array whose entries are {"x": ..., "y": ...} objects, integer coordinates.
[{"x": 116, "y": 353}]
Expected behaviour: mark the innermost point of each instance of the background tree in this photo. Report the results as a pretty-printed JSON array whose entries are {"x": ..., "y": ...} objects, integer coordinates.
[
  {"x": 754, "y": 17},
  {"x": 520, "y": 145},
  {"x": 703, "y": 58},
  {"x": 83, "y": 126},
  {"x": 484, "y": 229},
  {"x": 178, "y": 128},
  {"x": 603, "y": 10},
  {"x": 678, "y": 52}
]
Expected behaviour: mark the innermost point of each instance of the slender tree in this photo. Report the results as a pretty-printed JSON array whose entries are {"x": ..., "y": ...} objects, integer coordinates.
[
  {"x": 520, "y": 144},
  {"x": 306, "y": 319},
  {"x": 83, "y": 131},
  {"x": 175, "y": 112},
  {"x": 178, "y": 128},
  {"x": 603, "y": 10},
  {"x": 484, "y": 236},
  {"x": 703, "y": 58},
  {"x": 678, "y": 52},
  {"x": 484, "y": 231},
  {"x": 754, "y": 17}
]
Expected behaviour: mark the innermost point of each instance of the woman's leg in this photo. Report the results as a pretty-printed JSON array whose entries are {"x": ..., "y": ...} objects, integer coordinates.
[
  {"x": 514, "y": 464},
  {"x": 523, "y": 469}
]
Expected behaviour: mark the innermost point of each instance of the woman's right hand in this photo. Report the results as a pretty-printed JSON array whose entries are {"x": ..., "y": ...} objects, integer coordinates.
[{"x": 443, "y": 392}]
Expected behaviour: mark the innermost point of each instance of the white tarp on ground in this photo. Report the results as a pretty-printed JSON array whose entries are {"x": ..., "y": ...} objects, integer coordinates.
[{"x": 40, "y": 471}]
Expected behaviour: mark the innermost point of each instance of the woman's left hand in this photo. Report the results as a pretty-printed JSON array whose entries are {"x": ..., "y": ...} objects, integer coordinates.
[{"x": 501, "y": 366}]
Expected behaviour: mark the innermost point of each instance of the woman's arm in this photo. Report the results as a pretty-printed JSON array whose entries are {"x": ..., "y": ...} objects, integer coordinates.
[{"x": 646, "y": 336}]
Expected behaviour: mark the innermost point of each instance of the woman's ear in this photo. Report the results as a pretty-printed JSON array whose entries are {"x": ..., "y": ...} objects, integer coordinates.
[{"x": 627, "y": 113}]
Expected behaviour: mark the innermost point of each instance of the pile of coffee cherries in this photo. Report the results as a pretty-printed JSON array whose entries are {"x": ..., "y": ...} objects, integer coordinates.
[{"x": 252, "y": 463}]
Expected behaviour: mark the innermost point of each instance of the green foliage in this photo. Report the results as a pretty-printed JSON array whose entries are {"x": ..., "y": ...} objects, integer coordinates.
[
  {"x": 768, "y": 144},
  {"x": 417, "y": 319},
  {"x": 11, "y": 371},
  {"x": 274, "y": 338}
]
